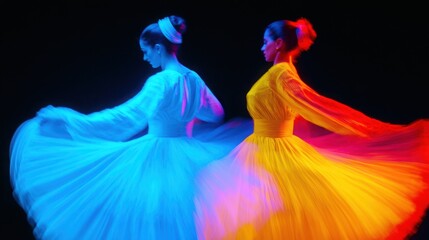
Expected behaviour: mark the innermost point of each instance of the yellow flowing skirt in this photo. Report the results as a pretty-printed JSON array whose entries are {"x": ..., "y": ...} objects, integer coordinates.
[{"x": 304, "y": 193}]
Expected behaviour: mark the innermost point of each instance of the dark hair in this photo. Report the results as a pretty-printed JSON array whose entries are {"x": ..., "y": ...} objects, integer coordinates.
[
  {"x": 152, "y": 34},
  {"x": 299, "y": 35}
]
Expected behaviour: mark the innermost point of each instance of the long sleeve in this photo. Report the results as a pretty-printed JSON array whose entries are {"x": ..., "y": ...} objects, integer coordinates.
[
  {"x": 211, "y": 108},
  {"x": 323, "y": 111},
  {"x": 118, "y": 123}
]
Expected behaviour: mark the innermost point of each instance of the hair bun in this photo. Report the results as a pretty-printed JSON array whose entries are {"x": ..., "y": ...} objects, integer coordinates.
[
  {"x": 179, "y": 23},
  {"x": 305, "y": 33}
]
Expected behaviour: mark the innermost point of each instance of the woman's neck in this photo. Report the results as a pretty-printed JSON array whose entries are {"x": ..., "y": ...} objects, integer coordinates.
[
  {"x": 170, "y": 62},
  {"x": 289, "y": 56}
]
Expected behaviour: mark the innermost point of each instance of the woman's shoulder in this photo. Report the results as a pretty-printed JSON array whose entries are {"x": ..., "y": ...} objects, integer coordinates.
[
  {"x": 166, "y": 74},
  {"x": 183, "y": 71},
  {"x": 282, "y": 66},
  {"x": 283, "y": 70},
  {"x": 164, "y": 77},
  {"x": 282, "y": 73},
  {"x": 173, "y": 76}
]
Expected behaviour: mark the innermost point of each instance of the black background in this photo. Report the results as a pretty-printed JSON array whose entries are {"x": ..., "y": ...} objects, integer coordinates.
[{"x": 85, "y": 55}]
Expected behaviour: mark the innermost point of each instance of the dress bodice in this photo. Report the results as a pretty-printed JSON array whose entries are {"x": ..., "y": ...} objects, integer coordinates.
[
  {"x": 272, "y": 115},
  {"x": 167, "y": 105},
  {"x": 279, "y": 96},
  {"x": 182, "y": 98}
]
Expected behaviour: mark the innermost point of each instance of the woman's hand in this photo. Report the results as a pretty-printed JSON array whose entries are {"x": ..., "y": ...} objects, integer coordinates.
[
  {"x": 48, "y": 112},
  {"x": 55, "y": 113}
]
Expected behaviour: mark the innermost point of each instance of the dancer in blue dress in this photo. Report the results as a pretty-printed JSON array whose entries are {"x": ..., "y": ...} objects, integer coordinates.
[{"x": 93, "y": 176}]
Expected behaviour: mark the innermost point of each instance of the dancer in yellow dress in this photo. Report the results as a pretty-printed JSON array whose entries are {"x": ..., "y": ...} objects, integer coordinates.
[{"x": 359, "y": 179}]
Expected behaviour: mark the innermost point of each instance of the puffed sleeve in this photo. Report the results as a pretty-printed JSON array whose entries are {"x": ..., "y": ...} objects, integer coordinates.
[
  {"x": 325, "y": 112},
  {"x": 211, "y": 109},
  {"x": 116, "y": 124}
]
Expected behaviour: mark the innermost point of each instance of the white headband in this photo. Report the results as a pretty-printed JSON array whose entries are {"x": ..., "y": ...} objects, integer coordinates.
[{"x": 169, "y": 31}]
